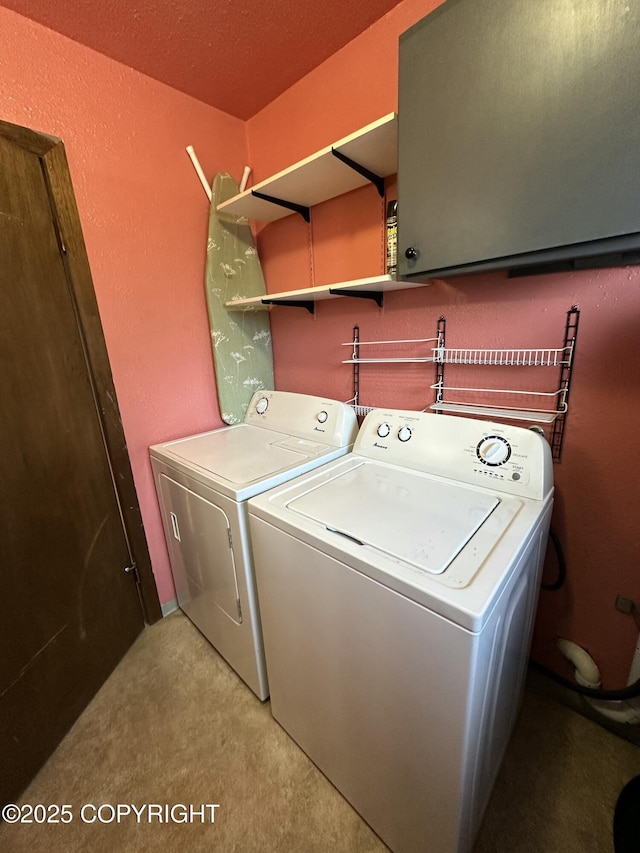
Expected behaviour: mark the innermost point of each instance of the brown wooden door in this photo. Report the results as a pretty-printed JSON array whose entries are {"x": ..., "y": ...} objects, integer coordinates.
[{"x": 69, "y": 609}]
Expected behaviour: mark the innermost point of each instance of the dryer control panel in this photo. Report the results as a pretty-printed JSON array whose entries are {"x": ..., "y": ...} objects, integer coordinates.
[
  {"x": 506, "y": 458},
  {"x": 302, "y": 415}
]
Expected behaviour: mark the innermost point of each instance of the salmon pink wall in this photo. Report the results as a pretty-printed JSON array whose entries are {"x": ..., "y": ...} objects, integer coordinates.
[
  {"x": 144, "y": 216},
  {"x": 598, "y": 479}
]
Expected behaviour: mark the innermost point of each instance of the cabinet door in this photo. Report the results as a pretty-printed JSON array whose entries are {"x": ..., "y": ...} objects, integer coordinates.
[
  {"x": 519, "y": 134},
  {"x": 202, "y": 561}
]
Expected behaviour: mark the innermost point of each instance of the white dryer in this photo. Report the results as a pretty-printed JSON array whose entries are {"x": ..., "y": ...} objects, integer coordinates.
[
  {"x": 203, "y": 483},
  {"x": 398, "y": 588}
]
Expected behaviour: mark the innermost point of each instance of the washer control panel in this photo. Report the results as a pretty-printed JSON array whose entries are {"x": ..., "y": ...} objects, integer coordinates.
[
  {"x": 304, "y": 416},
  {"x": 507, "y": 458}
]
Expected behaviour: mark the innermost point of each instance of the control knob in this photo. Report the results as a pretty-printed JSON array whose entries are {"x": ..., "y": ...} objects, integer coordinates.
[
  {"x": 404, "y": 433},
  {"x": 262, "y": 405},
  {"x": 322, "y": 417},
  {"x": 383, "y": 430},
  {"x": 493, "y": 450}
]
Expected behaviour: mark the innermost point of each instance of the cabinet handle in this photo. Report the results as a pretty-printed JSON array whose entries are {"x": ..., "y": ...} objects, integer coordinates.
[{"x": 411, "y": 254}]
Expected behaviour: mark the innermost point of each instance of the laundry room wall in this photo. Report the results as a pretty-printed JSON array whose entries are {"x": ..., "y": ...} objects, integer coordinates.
[
  {"x": 597, "y": 480},
  {"x": 144, "y": 216}
]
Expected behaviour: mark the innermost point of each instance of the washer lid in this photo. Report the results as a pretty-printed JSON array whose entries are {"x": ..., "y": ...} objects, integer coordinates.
[
  {"x": 405, "y": 514},
  {"x": 242, "y": 453}
]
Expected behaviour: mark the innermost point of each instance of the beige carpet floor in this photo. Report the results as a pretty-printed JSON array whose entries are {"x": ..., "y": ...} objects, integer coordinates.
[{"x": 174, "y": 725}]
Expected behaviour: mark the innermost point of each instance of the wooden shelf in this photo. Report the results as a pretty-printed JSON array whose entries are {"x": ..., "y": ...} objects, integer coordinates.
[
  {"x": 378, "y": 285},
  {"x": 372, "y": 153},
  {"x": 322, "y": 175}
]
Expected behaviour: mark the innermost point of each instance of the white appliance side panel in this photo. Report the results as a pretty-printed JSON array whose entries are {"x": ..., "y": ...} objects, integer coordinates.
[
  {"x": 503, "y": 657},
  {"x": 372, "y": 686},
  {"x": 238, "y": 638}
]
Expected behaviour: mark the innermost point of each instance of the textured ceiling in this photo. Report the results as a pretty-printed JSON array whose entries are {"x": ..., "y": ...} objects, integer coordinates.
[{"x": 237, "y": 55}]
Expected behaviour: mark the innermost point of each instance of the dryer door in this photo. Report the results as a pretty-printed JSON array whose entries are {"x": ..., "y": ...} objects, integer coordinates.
[{"x": 199, "y": 539}]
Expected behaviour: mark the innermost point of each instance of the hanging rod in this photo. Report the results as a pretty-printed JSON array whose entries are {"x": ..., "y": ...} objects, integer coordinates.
[
  {"x": 355, "y": 359},
  {"x": 408, "y": 341},
  {"x": 427, "y": 360},
  {"x": 545, "y": 416},
  {"x": 557, "y": 393}
]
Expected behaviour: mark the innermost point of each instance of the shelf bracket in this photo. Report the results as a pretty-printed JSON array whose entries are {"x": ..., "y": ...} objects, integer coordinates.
[
  {"x": 310, "y": 305},
  {"x": 290, "y": 205},
  {"x": 439, "y": 385},
  {"x": 356, "y": 366},
  {"x": 376, "y": 295},
  {"x": 361, "y": 170},
  {"x": 570, "y": 337}
]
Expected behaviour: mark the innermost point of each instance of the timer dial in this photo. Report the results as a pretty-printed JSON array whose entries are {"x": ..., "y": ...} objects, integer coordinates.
[
  {"x": 404, "y": 433},
  {"x": 493, "y": 450},
  {"x": 383, "y": 430},
  {"x": 262, "y": 405},
  {"x": 322, "y": 417}
]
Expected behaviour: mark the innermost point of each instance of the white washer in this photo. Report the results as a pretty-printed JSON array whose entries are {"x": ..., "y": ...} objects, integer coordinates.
[
  {"x": 203, "y": 483},
  {"x": 398, "y": 589}
]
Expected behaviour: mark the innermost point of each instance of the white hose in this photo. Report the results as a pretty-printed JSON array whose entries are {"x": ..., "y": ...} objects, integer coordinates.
[{"x": 588, "y": 675}]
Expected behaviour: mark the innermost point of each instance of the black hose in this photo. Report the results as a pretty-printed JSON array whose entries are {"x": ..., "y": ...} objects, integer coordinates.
[{"x": 562, "y": 565}]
